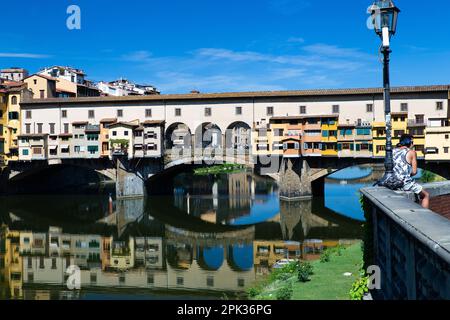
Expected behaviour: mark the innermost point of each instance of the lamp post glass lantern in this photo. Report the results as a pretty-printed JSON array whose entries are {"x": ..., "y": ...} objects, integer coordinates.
[{"x": 384, "y": 17}]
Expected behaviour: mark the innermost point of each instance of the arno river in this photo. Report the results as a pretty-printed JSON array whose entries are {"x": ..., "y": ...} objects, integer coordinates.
[{"x": 203, "y": 237}]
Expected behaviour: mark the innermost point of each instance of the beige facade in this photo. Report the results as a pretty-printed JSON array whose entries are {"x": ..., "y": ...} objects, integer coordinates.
[
  {"x": 32, "y": 147},
  {"x": 437, "y": 143},
  {"x": 121, "y": 139},
  {"x": 42, "y": 87}
]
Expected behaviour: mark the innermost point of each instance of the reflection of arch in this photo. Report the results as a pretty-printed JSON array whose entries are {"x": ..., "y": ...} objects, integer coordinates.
[
  {"x": 208, "y": 135},
  {"x": 178, "y": 135},
  {"x": 240, "y": 257},
  {"x": 237, "y": 136},
  {"x": 179, "y": 256},
  {"x": 210, "y": 258}
]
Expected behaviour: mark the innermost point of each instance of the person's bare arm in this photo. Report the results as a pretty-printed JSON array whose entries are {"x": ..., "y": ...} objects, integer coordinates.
[{"x": 412, "y": 158}]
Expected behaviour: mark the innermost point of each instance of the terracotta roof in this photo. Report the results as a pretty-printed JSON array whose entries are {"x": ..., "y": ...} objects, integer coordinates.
[
  {"x": 305, "y": 117},
  {"x": 123, "y": 124},
  {"x": 75, "y": 123},
  {"x": 32, "y": 135},
  {"x": 249, "y": 95},
  {"x": 150, "y": 122},
  {"x": 42, "y": 76},
  {"x": 108, "y": 120},
  {"x": 66, "y": 135},
  {"x": 13, "y": 70},
  {"x": 401, "y": 113},
  {"x": 288, "y": 118}
]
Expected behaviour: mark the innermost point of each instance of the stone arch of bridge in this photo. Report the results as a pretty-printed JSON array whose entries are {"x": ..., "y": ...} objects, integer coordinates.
[{"x": 17, "y": 175}]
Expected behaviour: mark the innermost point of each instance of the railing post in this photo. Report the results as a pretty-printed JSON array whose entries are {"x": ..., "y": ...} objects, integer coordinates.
[
  {"x": 388, "y": 260},
  {"x": 411, "y": 270}
]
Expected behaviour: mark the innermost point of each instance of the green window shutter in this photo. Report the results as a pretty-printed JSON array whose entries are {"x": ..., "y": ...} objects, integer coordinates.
[
  {"x": 339, "y": 146},
  {"x": 358, "y": 147}
]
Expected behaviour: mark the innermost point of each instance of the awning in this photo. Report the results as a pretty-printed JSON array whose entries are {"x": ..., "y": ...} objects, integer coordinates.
[
  {"x": 53, "y": 147},
  {"x": 64, "y": 146}
]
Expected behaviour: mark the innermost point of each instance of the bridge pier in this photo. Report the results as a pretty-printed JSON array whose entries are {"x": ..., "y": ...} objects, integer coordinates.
[
  {"x": 294, "y": 186},
  {"x": 4, "y": 178},
  {"x": 129, "y": 183}
]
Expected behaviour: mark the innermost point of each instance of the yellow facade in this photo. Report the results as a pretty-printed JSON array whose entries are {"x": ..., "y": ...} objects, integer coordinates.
[
  {"x": 12, "y": 128},
  {"x": 399, "y": 127},
  {"x": 11, "y": 265},
  {"x": 3, "y": 117},
  {"x": 277, "y": 134},
  {"x": 437, "y": 143},
  {"x": 418, "y": 132},
  {"x": 379, "y": 139},
  {"x": 262, "y": 140},
  {"x": 329, "y": 127},
  {"x": 269, "y": 252}
]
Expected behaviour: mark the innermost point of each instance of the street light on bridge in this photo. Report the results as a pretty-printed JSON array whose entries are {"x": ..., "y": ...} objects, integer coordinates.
[{"x": 384, "y": 18}]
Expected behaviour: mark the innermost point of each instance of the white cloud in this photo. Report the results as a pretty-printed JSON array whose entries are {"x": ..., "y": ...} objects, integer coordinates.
[
  {"x": 296, "y": 40},
  {"x": 23, "y": 55},
  {"x": 139, "y": 56},
  {"x": 334, "y": 51},
  {"x": 221, "y": 69}
]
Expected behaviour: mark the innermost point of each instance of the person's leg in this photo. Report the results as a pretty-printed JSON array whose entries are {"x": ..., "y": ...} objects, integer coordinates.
[{"x": 425, "y": 199}]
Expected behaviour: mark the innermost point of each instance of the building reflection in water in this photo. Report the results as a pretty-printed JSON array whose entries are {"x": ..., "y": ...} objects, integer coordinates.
[
  {"x": 222, "y": 198},
  {"x": 131, "y": 250}
]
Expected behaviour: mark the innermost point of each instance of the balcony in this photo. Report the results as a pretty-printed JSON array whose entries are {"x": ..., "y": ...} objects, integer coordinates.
[{"x": 416, "y": 123}]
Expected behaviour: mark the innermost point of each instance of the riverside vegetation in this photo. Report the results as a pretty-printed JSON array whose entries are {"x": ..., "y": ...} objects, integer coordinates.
[{"x": 335, "y": 276}]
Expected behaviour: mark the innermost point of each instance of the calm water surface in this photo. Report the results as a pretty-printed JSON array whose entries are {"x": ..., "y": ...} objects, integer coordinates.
[{"x": 209, "y": 237}]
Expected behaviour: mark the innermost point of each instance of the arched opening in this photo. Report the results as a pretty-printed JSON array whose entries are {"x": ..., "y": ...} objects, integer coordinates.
[
  {"x": 210, "y": 258},
  {"x": 208, "y": 136},
  {"x": 179, "y": 256},
  {"x": 178, "y": 136},
  {"x": 237, "y": 137},
  {"x": 240, "y": 257},
  {"x": 62, "y": 179}
]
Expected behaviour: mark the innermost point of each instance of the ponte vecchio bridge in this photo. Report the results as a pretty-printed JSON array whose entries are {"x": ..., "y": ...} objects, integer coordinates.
[{"x": 298, "y": 137}]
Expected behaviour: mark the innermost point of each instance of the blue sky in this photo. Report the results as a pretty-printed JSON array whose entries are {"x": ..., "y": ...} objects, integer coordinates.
[{"x": 233, "y": 45}]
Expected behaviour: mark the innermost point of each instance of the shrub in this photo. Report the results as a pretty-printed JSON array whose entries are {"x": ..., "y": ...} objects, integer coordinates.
[
  {"x": 253, "y": 292},
  {"x": 284, "y": 276},
  {"x": 325, "y": 256},
  {"x": 285, "y": 293},
  {"x": 338, "y": 250},
  {"x": 305, "y": 270},
  {"x": 289, "y": 269},
  {"x": 359, "y": 288}
]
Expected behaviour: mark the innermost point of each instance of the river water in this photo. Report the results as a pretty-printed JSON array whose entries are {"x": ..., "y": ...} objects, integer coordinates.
[{"x": 207, "y": 237}]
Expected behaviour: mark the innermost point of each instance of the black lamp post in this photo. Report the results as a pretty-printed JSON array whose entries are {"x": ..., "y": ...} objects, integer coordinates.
[{"x": 384, "y": 17}]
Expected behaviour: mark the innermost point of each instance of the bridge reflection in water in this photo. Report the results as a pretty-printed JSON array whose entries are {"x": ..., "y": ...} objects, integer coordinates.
[{"x": 153, "y": 248}]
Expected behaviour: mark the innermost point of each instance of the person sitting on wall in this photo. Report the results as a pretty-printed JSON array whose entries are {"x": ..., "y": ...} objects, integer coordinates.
[{"x": 405, "y": 167}]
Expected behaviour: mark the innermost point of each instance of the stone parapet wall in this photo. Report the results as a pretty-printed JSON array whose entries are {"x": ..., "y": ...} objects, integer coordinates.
[{"x": 411, "y": 245}]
